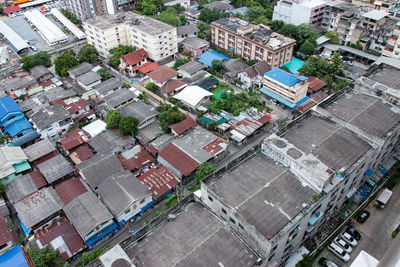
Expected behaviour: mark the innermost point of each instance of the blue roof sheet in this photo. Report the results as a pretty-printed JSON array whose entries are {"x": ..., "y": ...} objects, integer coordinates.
[
  {"x": 284, "y": 77},
  {"x": 25, "y": 138},
  {"x": 18, "y": 126},
  {"x": 208, "y": 57},
  {"x": 7, "y": 105},
  {"x": 13, "y": 257}
]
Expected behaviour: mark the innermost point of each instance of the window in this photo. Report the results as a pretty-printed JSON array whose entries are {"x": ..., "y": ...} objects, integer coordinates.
[
  {"x": 241, "y": 226},
  {"x": 232, "y": 220},
  {"x": 223, "y": 210},
  {"x": 142, "y": 201},
  {"x": 270, "y": 258},
  {"x": 210, "y": 198}
]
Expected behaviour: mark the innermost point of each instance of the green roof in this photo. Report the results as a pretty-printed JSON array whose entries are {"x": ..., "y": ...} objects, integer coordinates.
[
  {"x": 209, "y": 121},
  {"x": 20, "y": 167}
]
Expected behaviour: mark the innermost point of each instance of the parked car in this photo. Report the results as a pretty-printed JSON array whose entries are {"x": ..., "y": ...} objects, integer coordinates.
[
  {"x": 338, "y": 251},
  {"x": 363, "y": 216},
  {"x": 349, "y": 239},
  {"x": 354, "y": 233},
  {"x": 341, "y": 243},
  {"x": 324, "y": 262}
]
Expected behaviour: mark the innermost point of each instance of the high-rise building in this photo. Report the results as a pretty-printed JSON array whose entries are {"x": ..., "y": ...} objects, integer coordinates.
[{"x": 84, "y": 9}]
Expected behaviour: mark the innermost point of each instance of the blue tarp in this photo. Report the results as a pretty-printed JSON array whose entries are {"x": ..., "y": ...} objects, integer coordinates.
[
  {"x": 294, "y": 65},
  {"x": 7, "y": 105},
  {"x": 368, "y": 172},
  {"x": 208, "y": 57},
  {"x": 13, "y": 257},
  {"x": 18, "y": 126},
  {"x": 281, "y": 99},
  {"x": 26, "y": 230},
  {"x": 284, "y": 77}
]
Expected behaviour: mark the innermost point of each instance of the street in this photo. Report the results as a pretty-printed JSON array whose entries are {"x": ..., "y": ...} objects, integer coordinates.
[{"x": 375, "y": 232}]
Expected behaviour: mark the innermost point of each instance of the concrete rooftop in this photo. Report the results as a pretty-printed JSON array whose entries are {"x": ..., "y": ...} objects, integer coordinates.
[{"x": 388, "y": 76}]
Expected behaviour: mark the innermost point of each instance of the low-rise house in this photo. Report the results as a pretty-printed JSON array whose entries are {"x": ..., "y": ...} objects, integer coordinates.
[
  {"x": 107, "y": 87},
  {"x": 20, "y": 188},
  {"x": 125, "y": 196},
  {"x": 18, "y": 85},
  {"x": 88, "y": 80},
  {"x": 39, "y": 210},
  {"x": 188, "y": 30},
  {"x": 161, "y": 181},
  {"x": 145, "y": 113},
  {"x": 41, "y": 73},
  {"x": 253, "y": 75},
  {"x": 96, "y": 169},
  {"x": 149, "y": 133},
  {"x": 55, "y": 169},
  {"x": 10, "y": 159},
  {"x": 6, "y": 237},
  {"x": 241, "y": 11},
  {"x": 54, "y": 93},
  {"x": 130, "y": 63},
  {"x": 220, "y": 5},
  {"x": 135, "y": 159},
  {"x": 90, "y": 217},
  {"x": 80, "y": 70},
  {"x": 111, "y": 141},
  {"x": 159, "y": 144},
  {"x": 73, "y": 140},
  {"x": 81, "y": 154},
  {"x": 191, "y": 68},
  {"x": 193, "y": 97},
  {"x": 161, "y": 75},
  {"x": 78, "y": 109},
  {"x": 119, "y": 98},
  {"x": 61, "y": 236},
  {"x": 195, "y": 46},
  {"x": 39, "y": 150},
  {"x": 182, "y": 126},
  {"x": 233, "y": 67},
  {"x": 51, "y": 121},
  {"x": 314, "y": 85},
  {"x": 95, "y": 128},
  {"x": 171, "y": 87},
  {"x": 70, "y": 189}
]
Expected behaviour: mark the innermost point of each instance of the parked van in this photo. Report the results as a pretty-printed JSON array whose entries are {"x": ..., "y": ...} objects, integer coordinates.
[
  {"x": 338, "y": 251},
  {"x": 383, "y": 198}
]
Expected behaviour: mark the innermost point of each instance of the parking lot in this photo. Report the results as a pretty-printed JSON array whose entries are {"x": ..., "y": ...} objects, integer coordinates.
[{"x": 376, "y": 231}]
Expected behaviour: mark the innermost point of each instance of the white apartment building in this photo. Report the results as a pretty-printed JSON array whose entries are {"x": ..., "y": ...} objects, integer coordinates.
[
  {"x": 128, "y": 28},
  {"x": 301, "y": 11},
  {"x": 302, "y": 177}
]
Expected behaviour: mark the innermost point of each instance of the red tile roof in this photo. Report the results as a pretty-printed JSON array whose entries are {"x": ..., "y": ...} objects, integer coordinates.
[
  {"x": 162, "y": 74},
  {"x": 11, "y": 9},
  {"x": 5, "y": 234},
  {"x": 70, "y": 189},
  {"x": 264, "y": 119},
  {"x": 38, "y": 179},
  {"x": 315, "y": 84},
  {"x": 215, "y": 146},
  {"x": 159, "y": 180},
  {"x": 178, "y": 159},
  {"x": 183, "y": 126},
  {"x": 76, "y": 106},
  {"x": 64, "y": 229},
  {"x": 81, "y": 154},
  {"x": 148, "y": 66},
  {"x": 134, "y": 57},
  {"x": 137, "y": 161},
  {"x": 171, "y": 86},
  {"x": 74, "y": 138}
]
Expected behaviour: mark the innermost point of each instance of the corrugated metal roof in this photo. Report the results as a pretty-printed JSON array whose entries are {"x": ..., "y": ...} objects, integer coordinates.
[
  {"x": 179, "y": 159},
  {"x": 160, "y": 181}
]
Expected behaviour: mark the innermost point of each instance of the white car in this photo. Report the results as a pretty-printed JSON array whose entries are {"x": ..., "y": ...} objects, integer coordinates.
[
  {"x": 338, "y": 251},
  {"x": 349, "y": 239},
  {"x": 341, "y": 243}
]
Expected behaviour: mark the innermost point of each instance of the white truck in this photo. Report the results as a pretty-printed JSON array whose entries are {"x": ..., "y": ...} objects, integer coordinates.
[{"x": 383, "y": 198}]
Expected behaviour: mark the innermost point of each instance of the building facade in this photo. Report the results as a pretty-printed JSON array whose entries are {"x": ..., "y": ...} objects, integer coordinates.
[
  {"x": 128, "y": 28},
  {"x": 392, "y": 48},
  {"x": 252, "y": 41}
]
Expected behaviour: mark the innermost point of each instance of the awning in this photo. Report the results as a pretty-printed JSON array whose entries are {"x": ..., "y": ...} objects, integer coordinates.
[
  {"x": 310, "y": 228},
  {"x": 315, "y": 218},
  {"x": 351, "y": 192},
  {"x": 368, "y": 172}
]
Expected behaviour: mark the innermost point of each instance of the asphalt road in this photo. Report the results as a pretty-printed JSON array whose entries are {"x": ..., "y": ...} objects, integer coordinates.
[{"x": 376, "y": 231}]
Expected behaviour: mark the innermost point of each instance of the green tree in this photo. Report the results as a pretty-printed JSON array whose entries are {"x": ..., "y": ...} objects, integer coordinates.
[
  {"x": 203, "y": 2},
  {"x": 45, "y": 257},
  {"x": 276, "y": 25},
  {"x": 126, "y": 85},
  {"x": 88, "y": 53},
  {"x": 209, "y": 15},
  {"x": 69, "y": 16},
  {"x": 169, "y": 16},
  {"x": 65, "y": 62},
  {"x": 307, "y": 261},
  {"x": 285, "y": 68},
  {"x": 307, "y": 48},
  {"x": 216, "y": 66},
  {"x": 1, "y": 10},
  {"x": 183, "y": 19},
  {"x": 255, "y": 12},
  {"x": 27, "y": 62},
  {"x": 40, "y": 58},
  {"x": 333, "y": 37},
  {"x": 152, "y": 87},
  {"x": 329, "y": 81},
  {"x": 203, "y": 26},
  {"x": 148, "y": 8},
  {"x": 169, "y": 115},
  {"x": 359, "y": 46},
  {"x": 201, "y": 35},
  {"x": 105, "y": 75},
  {"x": 203, "y": 171},
  {"x": 112, "y": 119},
  {"x": 251, "y": 62},
  {"x": 128, "y": 125},
  {"x": 2, "y": 189},
  {"x": 179, "y": 62}
]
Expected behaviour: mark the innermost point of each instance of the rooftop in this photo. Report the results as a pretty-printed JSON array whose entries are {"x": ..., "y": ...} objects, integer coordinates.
[
  {"x": 95, "y": 128},
  {"x": 160, "y": 181},
  {"x": 74, "y": 138},
  {"x": 70, "y": 189},
  {"x": 39, "y": 206},
  {"x": 139, "y": 110},
  {"x": 81, "y": 154},
  {"x": 81, "y": 69},
  {"x": 7, "y": 105},
  {"x": 213, "y": 244},
  {"x": 48, "y": 115},
  {"x": 187, "y": 29},
  {"x": 179, "y": 159},
  {"x": 134, "y": 57},
  {"x": 107, "y": 86},
  {"x": 20, "y": 188},
  {"x": 135, "y": 158},
  {"x": 192, "y": 95},
  {"x": 119, "y": 97},
  {"x": 370, "y": 114},
  {"x": 209, "y": 56},
  {"x": 234, "y": 66},
  {"x": 39, "y": 71},
  {"x": 182, "y": 126},
  {"x": 172, "y": 85},
  {"x": 95, "y": 170},
  {"x": 55, "y": 168},
  {"x": 387, "y": 76},
  {"x": 270, "y": 196},
  {"x": 111, "y": 141},
  {"x": 89, "y": 78},
  {"x": 161, "y": 142},
  {"x": 86, "y": 212},
  {"x": 191, "y": 67},
  {"x": 5, "y": 233},
  {"x": 194, "y": 42},
  {"x": 284, "y": 77},
  {"x": 8, "y": 153},
  {"x": 162, "y": 74},
  {"x": 375, "y": 14},
  {"x": 38, "y": 179},
  {"x": 148, "y": 133},
  {"x": 221, "y": 5},
  {"x": 39, "y": 149},
  {"x": 54, "y": 93},
  {"x": 120, "y": 190},
  {"x": 334, "y": 145},
  {"x": 259, "y": 68},
  {"x": 142, "y": 23}
]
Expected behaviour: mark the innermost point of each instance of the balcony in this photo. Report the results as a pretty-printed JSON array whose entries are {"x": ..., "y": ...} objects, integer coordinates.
[{"x": 315, "y": 218}]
